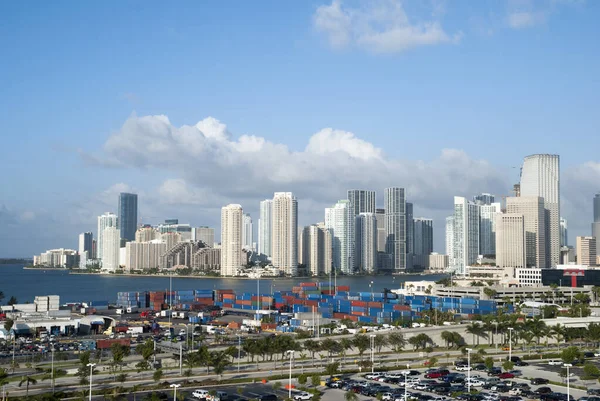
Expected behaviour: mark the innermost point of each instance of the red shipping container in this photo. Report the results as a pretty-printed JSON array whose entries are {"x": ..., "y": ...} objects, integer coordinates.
[
  {"x": 106, "y": 344},
  {"x": 374, "y": 304},
  {"x": 308, "y": 284},
  {"x": 343, "y": 288},
  {"x": 358, "y": 303},
  {"x": 311, "y": 302},
  {"x": 402, "y": 307}
]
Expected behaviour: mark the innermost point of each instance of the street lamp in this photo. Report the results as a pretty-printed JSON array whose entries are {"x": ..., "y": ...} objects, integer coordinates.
[
  {"x": 510, "y": 329},
  {"x": 372, "y": 336},
  {"x": 496, "y": 338},
  {"x": 175, "y": 386},
  {"x": 568, "y": 365},
  {"x": 371, "y": 287},
  {"x": 291, "y": 354},
  {"x": 239, "y": 351},
  {"x": 469, "y": 370},
  {"x": 91, "y": 365},
  {"x": 406, "y": 373}
]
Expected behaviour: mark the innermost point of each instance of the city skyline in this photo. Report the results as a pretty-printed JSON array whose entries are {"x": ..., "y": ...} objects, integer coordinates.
[{"x": 321, "y": 107}]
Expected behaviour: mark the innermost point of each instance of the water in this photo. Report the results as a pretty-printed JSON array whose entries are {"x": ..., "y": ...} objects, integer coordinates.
[{"x": 26, "y": 284}]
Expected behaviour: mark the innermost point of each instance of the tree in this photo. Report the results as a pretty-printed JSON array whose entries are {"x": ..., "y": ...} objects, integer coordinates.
[
  {"x": 361, "y": 342},
  {"x": 1, "y": 297},
  {"x": 315, "y": 380},
  {"x": 157, "y": 375},
  {"x": 420, "y": 341},
  {"x": 591, "y": 371},
  {"x": 29, "y": 380},
  {"x": 397, "y": 342},
  {"x": 570, "y": 354},
  {"x": 508, "y": 365},
  {"x": 119, "y": 352},
  {"x": 490, "y": 293},
  {"x": 312, "y": 347},
  {"x": 489, "y": 362},
  {"x": 332, "y": 368},
  {"x": 8, "y": 324},
  {"x": 432, "y": 361},
  {"x": 477, "y": 331},
  {"x": 275, "y": 386},
  {"x": 302, "y": 379},
  {"x": 219, "y": 362},
  {"x": 350, "y": 396},
  {"x": 380, "y": 341},
  {"x": 122, "y": 377},
  {"x": 12, "y": 301}
]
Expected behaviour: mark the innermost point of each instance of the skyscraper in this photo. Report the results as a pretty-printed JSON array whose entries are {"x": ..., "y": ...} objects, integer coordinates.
[
  {"x": 285, "y": 233},
  {"x": 128, "y": 204},
  {"x": 484, "y": 199},
  {"x": 487, "y": 228},
  {"x": 381, "y": 234},
  {"x": 232, "y": 256},
  {"x": 366, "y": 242},
  {"x": 205, "y": 234},
  {"x": 108, "y": 219},
  {"x": 510, "y": 240},
  {"x": 247, "y": 232},
  {"x": 586, "y": 251},
  {"x": 410, "y": 235},
  {"x": 363, "y": 201},
  {"x": 395, "y": 227},
  {"x": 596, "y": 222},
  {"x": 86, "y": 244},
  {"x": 564, "y": 234},
  {"x": 540, "y": 176},
  {"x": 423, "y": 236},
  {"x": 465, "y": 234},
  {"x": 339, "y": 220},
  {"x": 450, "y": 239},
  {"x": 316, "y": 249},
  {"x": 111, "y": 247},
  {"x": 534, "y": 222},
  {"x": 265, "y": 227}
]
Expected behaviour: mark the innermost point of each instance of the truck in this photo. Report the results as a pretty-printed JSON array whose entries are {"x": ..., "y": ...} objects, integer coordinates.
[
  {"x": 121, "y": 328},
  {"x": 135, "y": 330}
]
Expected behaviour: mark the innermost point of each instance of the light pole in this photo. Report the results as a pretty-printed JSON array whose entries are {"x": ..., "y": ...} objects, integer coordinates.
[
  {"x": 239, "y": 351},
  {"x": 496, "y": 338},
  {"x": 406, "y": 373},
  {"x": 52, "y": 369},
  {"x": 91, "y": 365},
  {"x": 510, "y": 329},
  {"x": 371, "y": 287},
  {"x": 174, "y": 386},
  {"x": 372, "y": 336},
  {"x": 469, "y": 370},
  {"x": 568, "y": 365},
  {"x": 291, "y": 353}
]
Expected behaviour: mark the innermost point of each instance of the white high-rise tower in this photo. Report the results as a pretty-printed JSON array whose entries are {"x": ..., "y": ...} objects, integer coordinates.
[
  {"x": 466, "y": 233},
  {"x": 339, "y": 220},
  {"x": 540, "y": 176},
  {"x": 366, "y": 242},
  {"x": 487, "y": 227},
  {"x": 111, "y": 247},
  {"x": 534, "y": 221},
  {"x": 108, "y": 219},
  {"x": 285, "y": 233},
  {"x": 265, "y": 227},
  {"x": 247, "y": 232},
  {"x": 231, "y": 239}
]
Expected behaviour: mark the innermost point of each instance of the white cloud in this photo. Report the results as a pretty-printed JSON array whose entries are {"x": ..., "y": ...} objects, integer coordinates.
[
  {"x": 380, "y": 26},
  {"x": 528, "y": 13}
]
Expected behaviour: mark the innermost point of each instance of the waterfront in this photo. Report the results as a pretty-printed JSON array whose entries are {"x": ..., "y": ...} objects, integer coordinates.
[{"x": 25, "y": 284}]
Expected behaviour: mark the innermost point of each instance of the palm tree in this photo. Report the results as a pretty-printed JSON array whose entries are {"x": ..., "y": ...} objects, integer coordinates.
[
  {"x": 361, "y": 342},
  {"x": 29, "y": 380},
  {"x": 350, "y": 396},
  {"x": 558, "y": 332},
  {"x": 477, "y": 331},
  {"x": 345, "y": 344}
]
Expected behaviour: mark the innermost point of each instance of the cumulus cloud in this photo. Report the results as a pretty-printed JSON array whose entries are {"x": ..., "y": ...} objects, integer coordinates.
[
  {"x": 379, "y": 26},
  {"x": 528, "y": 13}
]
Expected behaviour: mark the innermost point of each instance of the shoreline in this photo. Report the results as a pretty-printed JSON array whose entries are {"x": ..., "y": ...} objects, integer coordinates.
[{"x": 45, "y": 268}]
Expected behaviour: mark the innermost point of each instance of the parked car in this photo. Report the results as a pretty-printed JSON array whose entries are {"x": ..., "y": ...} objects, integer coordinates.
[
  {"x": 303, "y": 396},
  {"x": 521, "y": 363},
  {"x": 588, "y": 355},
  {"x": 540, "y": 380},
  {"x": 593, "y": 391},
  {"x": 555, "y": 362},
  {"x": 494, "y": 371},
  {"x": 516, "y": 372},
  {"x": 200, "y": 394},
  {"x": 543, "y": 390},
  {"x": 506, "y": 375}
]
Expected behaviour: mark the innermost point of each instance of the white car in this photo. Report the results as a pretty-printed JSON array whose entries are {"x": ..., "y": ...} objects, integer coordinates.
[
  {"x": 303, "y": 396},
  {"x": 555, "y": 362},
  {"x": 474, "y": 382},
  {"x": 373, "y": 376},
  {"x": 463, "y": 368},
  {"x": 200, "y": 394},
  {"x": 387, "y": 397}
]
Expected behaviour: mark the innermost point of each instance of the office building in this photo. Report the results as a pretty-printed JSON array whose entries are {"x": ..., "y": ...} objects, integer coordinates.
[
  {"x": 173, "y": 226},
  {"x": 596, "y": 222},
  {"x": 540, "y": 176},
  {"x": 144, "y": 255},
  {"x": 529, "y": 276},
  {"x": 57, "y": 258},
  {"x": 206, "y": 235},
  {"x": 265, "y": 228},
  {"x": 586, "y": 251},
  {"x": 86, "y": 244},
  {"x": 381, "y": 234},
  {"x": 487, "y": 227},
  {"x": 106, "y": 220},
  {"x": 111, "y": 248},
  {"x": 395, "y": 227},
  {"x": 465, "y": 234},
  {"x": 484, "y": 199},
  {"x": 438, "y": 261},
  {"x": 232, "y": 256},
  {"x": 146, "y": 234},
  {"x": 128, "y": 207},
  {"x": 564, "y": 235},
  {"x": 423, "y": 236},
  {"x": 315, "y": 250},
  {"x": 410, "y": 235},
  {"x": 366, "y": 242},
  {"x": 247, "y": 232},
  {"x": 339, "y": 220},
  {"x": 285, "y": 233},
  {"x": 534, "y": 222},
  {"x": 362, "y": 201},
  {"x": 510, "y": 240},
  {"x": 450, "y": 239}
]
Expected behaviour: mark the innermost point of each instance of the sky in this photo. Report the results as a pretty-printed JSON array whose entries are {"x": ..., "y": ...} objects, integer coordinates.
[{"x": 196, "y": 105}]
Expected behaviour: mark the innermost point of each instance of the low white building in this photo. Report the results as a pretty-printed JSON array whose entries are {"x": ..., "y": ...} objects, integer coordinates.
[{"x": 529, "y": 276}]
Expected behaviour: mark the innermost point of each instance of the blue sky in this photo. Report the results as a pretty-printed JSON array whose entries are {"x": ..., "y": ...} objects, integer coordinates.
[{"x": 442, "y": 97}]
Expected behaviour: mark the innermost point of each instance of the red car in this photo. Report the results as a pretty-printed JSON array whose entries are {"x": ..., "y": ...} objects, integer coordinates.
[
  {"x": 437, "y": 374},
  {"x": 506, "y": 375}
]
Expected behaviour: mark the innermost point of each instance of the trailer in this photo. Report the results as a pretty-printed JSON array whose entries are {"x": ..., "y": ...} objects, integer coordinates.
[{"x": 135, "y": 330}]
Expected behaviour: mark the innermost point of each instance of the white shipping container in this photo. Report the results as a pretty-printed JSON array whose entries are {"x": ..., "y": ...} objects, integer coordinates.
[{"x": 251, "y": 322}]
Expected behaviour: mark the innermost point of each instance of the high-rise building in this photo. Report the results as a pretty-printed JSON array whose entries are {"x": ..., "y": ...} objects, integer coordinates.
[
  {"x": 316, "y": 249},
  {"x": 564, "y": 235},
  {"x": 534, "y": 221},
  {"x": 111, "y": 247},
  {"x": 339, "y": 220},
  {"x": 265, "y": 227},
  {"x": 450, "y": 239},
  {"x": 146, "y": 234},
  {"x": 128, "y": 206},
  {"x": 395, "y": 227},
  {"x": 363, "y": 201},
  {"x": 484, "y": 199},
  {"x": 487, "y": 227},
  {"x": 173, "y": 226},
  {"x": 285, "y": 233},
  {"x": 144, "y": 255},
  {"x": 410, "y": 235},
  {"x": 247, "y": 232},
  {"x": 510, "y": 240},
  {"x": 465, "y": 234},
  {"x": 206, "y": 235},
  {"x": 171, "y": 239},
  {"x": 381, "y": 234},
  {"x": 540, "y": 176},
  {"x": 596, "y": 222},
  {"x": 231, "y": 240},
  {"x": 366, "y": 242},
  {"x": 86, "y": 244},
  {"x": 423, "y": 236},
  {"x": 106, "y": 220},
  {"x": 586, "y": 251}
]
